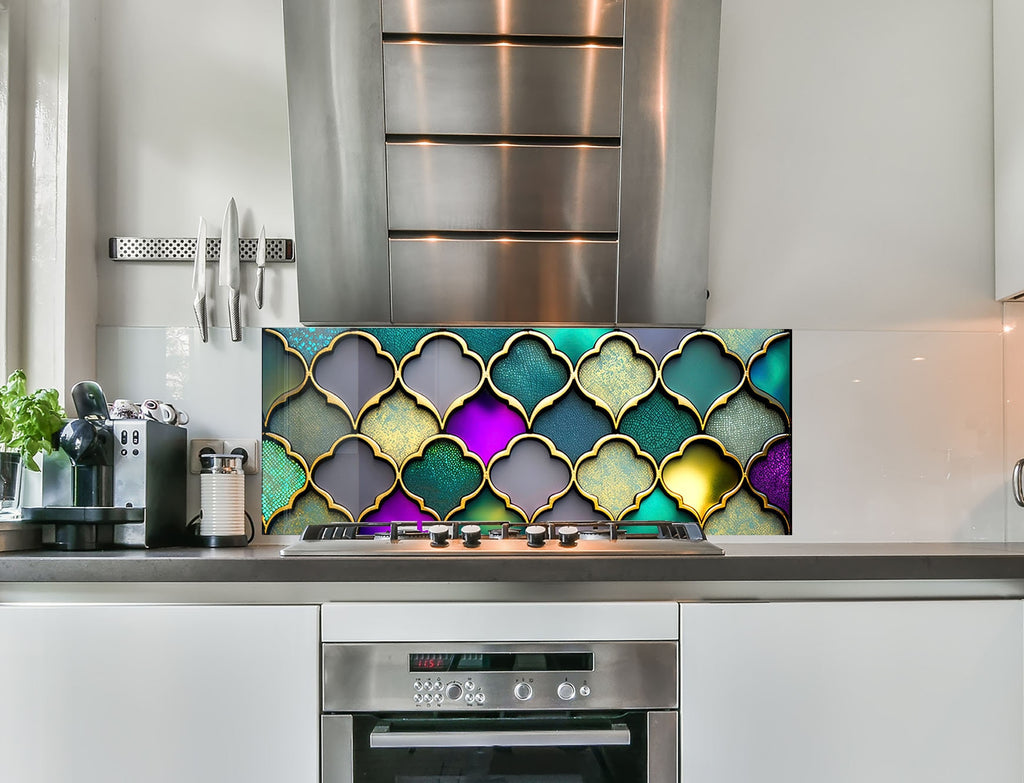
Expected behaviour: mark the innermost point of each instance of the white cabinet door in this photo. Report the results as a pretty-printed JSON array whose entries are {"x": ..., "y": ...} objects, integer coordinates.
[
  {"x": 1008, "y": 137},
  {"x": 855, "y": 692},
  {"x": 159, "y": 694}
]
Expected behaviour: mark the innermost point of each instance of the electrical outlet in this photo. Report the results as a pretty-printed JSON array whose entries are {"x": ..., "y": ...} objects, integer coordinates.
[
  {"x": 199, "y": 446},
  {"x": 250, "y": 449}
]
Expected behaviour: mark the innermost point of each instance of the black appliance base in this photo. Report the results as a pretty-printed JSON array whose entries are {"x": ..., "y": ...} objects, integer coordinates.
[
  {"x": 83, "y": 515},
  {"x": 220, "y": 541},
  {"x": 83, "y": 528}
]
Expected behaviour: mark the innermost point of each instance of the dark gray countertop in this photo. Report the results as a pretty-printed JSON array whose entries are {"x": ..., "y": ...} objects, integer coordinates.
[{"x": 742, "y": 562}]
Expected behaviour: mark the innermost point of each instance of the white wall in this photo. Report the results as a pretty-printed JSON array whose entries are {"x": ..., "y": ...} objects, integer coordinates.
[
  {"x": 193, "y": 112},
  {"x": 1013, "y": 406},
  {"x": 852, "y": 202}
]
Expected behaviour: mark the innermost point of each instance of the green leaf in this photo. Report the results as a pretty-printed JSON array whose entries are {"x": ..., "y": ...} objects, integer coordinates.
[{"x": 28, "y": 422}]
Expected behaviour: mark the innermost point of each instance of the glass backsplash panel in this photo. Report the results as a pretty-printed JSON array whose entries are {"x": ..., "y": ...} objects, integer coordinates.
[{"x": 374, "y": 425}]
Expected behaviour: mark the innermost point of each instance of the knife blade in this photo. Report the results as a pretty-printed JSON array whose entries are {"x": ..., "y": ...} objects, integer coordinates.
[
  {"x": 261, "y": 262},
  {"x": 199, "y": 282},
  {"x": 228, "y": 269}
]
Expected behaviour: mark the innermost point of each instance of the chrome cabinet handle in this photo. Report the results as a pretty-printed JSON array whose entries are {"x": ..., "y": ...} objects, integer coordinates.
[
  {"x": 383, "y": 737},
  {"x": 1018, "y": 489}
]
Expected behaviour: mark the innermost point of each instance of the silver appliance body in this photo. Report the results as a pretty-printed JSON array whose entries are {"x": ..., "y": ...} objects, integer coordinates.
[
  {"x": 574, "y": 711},
  {"x": 149, "y": 478},
  {"x": 521, "y": 161}
]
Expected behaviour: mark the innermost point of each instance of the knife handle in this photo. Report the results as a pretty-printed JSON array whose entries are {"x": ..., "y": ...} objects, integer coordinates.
[
  {"x": 199, "y": 305},
  {"x": 258, "y": 293},
  {"x": 234, "y": 317}
]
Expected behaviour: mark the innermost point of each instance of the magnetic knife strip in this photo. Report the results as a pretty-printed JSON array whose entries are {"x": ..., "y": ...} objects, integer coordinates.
[{"x": 279, "y": 251}]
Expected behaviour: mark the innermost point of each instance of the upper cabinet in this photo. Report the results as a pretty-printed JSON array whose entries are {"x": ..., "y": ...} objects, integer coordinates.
[
  {"x": 460, "y": 161},
  {"x": 1008, "y": 136}
]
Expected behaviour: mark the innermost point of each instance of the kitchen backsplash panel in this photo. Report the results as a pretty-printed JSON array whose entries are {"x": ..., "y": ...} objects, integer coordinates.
[{"x": 376, "y": 425}]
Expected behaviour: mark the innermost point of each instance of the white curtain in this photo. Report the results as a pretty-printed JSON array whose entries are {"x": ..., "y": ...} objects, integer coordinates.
[
  {"x": 8, "y": 286},
  {"x": 48, "y": 249}
]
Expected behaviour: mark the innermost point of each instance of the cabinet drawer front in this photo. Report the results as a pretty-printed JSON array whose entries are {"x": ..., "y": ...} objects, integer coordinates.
[
  {"x": 500, "y": 187},
  {"x": 502, "y": 89},
  {"x": 510, "y": 17},
  {"x": 503, "y": 281}
]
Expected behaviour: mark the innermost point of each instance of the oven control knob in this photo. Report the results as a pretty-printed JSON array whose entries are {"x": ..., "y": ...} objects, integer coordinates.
[
  {"x": 584, "y": 690},
  {"x": 522, "y": 691},
  {"x": 535, "y": 535},
  {"x": 453, "y": 691},
  {"x": 566, "y": 691},
  {"x": 568, "y": 535},
  {"x": 471, "y": 535},
  {"x": 438, "y": 535}
]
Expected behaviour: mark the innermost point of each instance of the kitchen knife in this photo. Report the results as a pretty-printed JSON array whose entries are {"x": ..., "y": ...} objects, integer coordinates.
[
  {"x": 229, "y": 274},
  {"x": 199, "y": 281},
  {"x": 261, "y": 261}
]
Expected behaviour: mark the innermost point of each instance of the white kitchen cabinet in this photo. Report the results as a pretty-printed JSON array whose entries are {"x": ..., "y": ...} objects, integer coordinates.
[
  {"x": 159, "y": 694},
  {"x": 849, "y": 692},
  {"x": 1008, "y": 139}
]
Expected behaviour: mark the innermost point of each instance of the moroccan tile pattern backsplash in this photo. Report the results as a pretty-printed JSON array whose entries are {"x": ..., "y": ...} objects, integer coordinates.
[{"x": 376, "y": 425}]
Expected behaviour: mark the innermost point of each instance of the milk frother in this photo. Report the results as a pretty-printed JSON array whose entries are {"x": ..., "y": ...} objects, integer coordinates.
[{"x": 222, "y": 496}]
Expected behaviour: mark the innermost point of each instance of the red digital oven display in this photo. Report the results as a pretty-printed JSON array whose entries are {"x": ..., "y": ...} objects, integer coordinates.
[
  {"x": 430, "y": 662},
  {"x": 501, "y": 662}
]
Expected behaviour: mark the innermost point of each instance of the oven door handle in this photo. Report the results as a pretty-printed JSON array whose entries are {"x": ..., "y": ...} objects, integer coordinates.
[{"x": 383, "y": 737}]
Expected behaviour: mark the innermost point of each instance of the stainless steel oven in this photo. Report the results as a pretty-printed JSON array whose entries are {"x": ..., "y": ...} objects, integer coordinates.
[{"x": 599, "y": 712}]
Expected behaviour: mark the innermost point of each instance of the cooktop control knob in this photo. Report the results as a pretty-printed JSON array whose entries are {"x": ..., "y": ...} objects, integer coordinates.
[
  {"x": 566, "y": 691},
  {"x": 523, "y": 691},
  {"x": 471, "y": 535},
  {"x": 568, "y": 535},
  {"x": 438, "y": 535},
  {"x": 453, "y": 691},
  {"x": 535, "y": 535}
]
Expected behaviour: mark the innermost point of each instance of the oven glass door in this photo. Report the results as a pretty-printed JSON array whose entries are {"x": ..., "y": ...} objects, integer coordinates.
[{"x": 590, "y": 748}]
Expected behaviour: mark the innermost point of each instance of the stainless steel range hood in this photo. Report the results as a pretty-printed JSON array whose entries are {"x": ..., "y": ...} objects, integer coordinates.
[{"x": 502, "y": 161}]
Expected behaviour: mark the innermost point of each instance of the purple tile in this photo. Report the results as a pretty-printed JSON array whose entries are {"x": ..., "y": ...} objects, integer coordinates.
[
  {"x": 486, "y": 425},
  {"x": 772, "y": 474},
  {"x": 398, "y": 507}
]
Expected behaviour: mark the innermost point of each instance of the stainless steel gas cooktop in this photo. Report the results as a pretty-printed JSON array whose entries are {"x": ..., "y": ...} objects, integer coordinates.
[{"x": 455, "y": 539}]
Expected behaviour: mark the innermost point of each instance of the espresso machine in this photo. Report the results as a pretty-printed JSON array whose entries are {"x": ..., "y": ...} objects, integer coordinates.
[{"x": 113, "y": 482}]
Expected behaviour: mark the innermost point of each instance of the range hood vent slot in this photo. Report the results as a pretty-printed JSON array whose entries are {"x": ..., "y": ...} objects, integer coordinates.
[{"x": 500, "y": 40}]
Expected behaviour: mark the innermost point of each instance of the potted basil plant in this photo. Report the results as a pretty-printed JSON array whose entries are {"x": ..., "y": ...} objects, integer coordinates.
[{"x": 28, "y": 424}]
